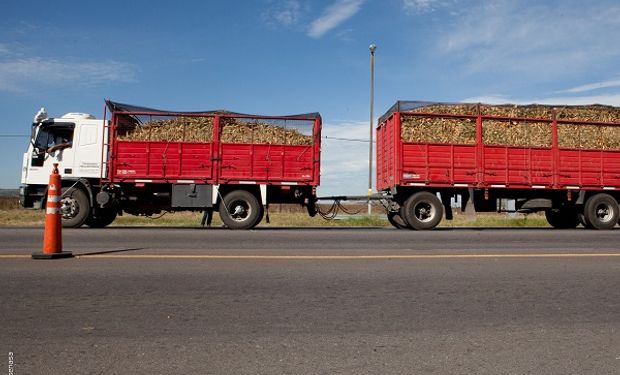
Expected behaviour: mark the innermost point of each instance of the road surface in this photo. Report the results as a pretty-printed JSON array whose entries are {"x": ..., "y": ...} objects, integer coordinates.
[{"x": 312, "y": 301}]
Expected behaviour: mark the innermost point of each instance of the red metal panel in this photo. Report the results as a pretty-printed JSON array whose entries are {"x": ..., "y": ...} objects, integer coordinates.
[
  {"x": 541, "y": 167},
  {"x": 589, "y": 168},
  {"x": 264, "y": 163},
  {"x": 386, "y": 154},
  {"x": 316, "y": 154},
  {"x": 235, "y": 161},
  {"x": 196, "y": 161},
  {"x": 380, "y": 155},
  {"x": 131, "y": 160},
  {"x": 164, "y": 160},
  {"x": 161, "y": 160},
  {"x": 611, "y": 169},
  {"x": 396, "y": 155}
]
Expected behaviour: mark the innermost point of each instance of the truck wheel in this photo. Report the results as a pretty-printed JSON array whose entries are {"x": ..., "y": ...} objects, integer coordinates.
[
  {"x": 563, "y": 218},
  {"x": 422, "y": 210},
  {"x": 240, "y": 210},
  {"x": 102, "y": 219},
  {"x": 396, "y": 221},
  {"x": 74, "y": 207},
  {"x": 601, "y": 211}
]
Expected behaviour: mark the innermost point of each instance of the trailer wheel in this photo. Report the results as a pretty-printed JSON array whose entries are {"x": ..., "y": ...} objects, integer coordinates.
[
  {"x": 396, "y": 220},
  {"x": 102, "y": 219},
  {"x": 563, "y": 218},
  {"x": 74, "y": 207},
  {"x": 601, "y": 211},
  {"x": 422, "y": 211},
  {"x": 240, "y": 210}
]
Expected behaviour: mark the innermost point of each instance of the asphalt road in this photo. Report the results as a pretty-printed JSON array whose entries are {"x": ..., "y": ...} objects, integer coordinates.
[{"x": 308, "y": 301}]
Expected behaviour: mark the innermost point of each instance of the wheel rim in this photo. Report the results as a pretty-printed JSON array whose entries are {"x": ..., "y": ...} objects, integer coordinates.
[
  {"x": 69, "y": 208},
  {"x": 604, "y": 212},
  {"x": 239, "y": 210},
  {"x": 424, "y": 212}
]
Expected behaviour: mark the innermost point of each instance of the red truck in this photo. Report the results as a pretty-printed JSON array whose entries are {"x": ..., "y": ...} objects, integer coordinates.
[
  {"x": 143, "y": 161},
  {"x": 563, "y": 160}
]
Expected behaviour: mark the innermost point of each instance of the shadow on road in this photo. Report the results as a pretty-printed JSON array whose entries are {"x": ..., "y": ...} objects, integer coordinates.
[{"x": 108, "y": 252}]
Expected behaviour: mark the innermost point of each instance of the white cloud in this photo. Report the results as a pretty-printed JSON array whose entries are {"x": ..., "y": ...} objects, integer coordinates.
[
  {"x": 21, "y": 74},
  {"x": 283, "y": 13},
  {"x": 591, "y": 87},
  {"x": 333, "y": 16},
  {"x": 3, "y": 49},
  {"x": 535, "y": 38},
  {"x": 418, "y": 6}
]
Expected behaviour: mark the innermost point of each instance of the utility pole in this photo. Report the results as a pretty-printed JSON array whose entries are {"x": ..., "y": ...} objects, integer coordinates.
[{"x": 372, "y": 49}]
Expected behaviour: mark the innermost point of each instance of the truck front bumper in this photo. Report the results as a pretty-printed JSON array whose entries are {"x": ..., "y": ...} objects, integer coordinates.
[{"x": 32, "y": 196}]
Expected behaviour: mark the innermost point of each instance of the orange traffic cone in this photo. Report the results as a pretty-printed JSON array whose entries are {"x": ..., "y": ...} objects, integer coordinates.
[{"x": 52, "y": 239}]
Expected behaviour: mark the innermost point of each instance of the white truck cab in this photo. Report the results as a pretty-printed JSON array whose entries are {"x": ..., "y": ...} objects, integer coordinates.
[{"x": 74, "y": 141}]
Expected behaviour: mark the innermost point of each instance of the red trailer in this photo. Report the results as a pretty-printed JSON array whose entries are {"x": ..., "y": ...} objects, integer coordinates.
[{"x": 554, "y": 159}]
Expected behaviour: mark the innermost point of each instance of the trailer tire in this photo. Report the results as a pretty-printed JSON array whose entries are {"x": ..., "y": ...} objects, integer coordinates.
[
  {"x": 240, "y": 209},
  {"x": 582, "y": 220},
  {"x": 102, "y": 219},
  {"x": 396, "y": 220},
  {"x": 74, "y": 207},
  {"x": 601, "y": 211},
  {"x": 563, "y": 218},
  {"x": 422, "y": 211}
]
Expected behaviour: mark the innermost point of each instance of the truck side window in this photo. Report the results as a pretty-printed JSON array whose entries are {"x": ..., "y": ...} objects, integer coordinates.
[
  {"x": 60, "y": 137},
  {"x": 51, "y": 139}
]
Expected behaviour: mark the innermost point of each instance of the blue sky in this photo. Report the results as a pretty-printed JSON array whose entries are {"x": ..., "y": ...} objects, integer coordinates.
[{"x": 296, "y": 56}]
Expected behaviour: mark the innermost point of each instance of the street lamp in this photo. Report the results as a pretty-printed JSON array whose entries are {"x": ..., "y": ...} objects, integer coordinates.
[{"x": 372, "y": 49}]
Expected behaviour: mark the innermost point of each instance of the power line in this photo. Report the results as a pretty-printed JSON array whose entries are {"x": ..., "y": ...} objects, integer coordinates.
[
  {"x": 14, "y": 136},
  {"x": 347, "y": 139}
]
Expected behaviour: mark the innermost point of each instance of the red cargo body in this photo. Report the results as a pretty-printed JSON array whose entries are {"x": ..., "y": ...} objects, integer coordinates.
[
  {"x": 483, "y": 165},
  {"x": 214, "y": 160}
]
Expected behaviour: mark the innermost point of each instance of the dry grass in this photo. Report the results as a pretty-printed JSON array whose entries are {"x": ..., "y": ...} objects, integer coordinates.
[{"x": 280, "y": 216}]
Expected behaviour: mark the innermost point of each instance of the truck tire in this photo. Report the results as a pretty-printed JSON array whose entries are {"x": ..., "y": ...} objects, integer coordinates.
[
  {"x": 74, "y": 207},
  {"x": 601, "y": 211},
  {"x": 396, "y": 220},
  {"x": 240, "y": 210},
  {"x": 562, "y": 218},
  {"x": 422, "y": 211},
  {"x": 102, "y": 219}
]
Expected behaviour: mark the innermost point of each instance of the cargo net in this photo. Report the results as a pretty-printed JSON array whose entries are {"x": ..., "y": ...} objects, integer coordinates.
[
  {"x": 200, "y": 129},
  {"x": 266, "y": 130},
  {"x": 523, "y": 125}
]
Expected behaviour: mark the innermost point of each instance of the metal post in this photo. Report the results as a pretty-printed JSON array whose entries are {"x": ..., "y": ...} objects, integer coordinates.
[{"x": 372, "y": 49}]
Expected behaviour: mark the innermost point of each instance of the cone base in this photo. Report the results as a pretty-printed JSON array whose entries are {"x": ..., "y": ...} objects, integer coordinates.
[{"x": 62, "y": 254}]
